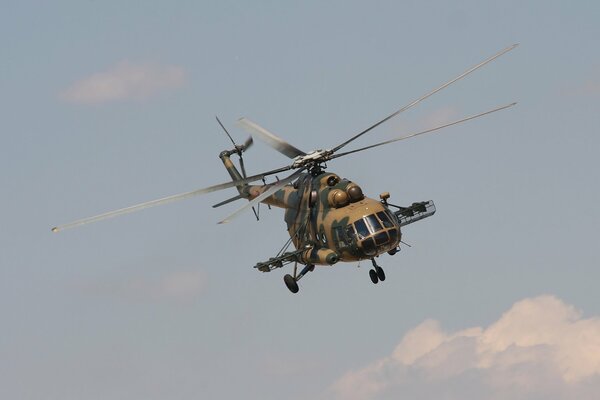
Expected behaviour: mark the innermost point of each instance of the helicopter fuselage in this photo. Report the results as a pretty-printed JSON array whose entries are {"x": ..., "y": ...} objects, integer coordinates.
[{"x": 330, "y": 217}]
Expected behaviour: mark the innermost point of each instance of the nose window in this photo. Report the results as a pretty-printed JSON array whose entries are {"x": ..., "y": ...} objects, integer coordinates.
[
  {"x": 381, "y": 238},
  {"x": 374, "y": 230},
  {"x": 368, "y": 246}
]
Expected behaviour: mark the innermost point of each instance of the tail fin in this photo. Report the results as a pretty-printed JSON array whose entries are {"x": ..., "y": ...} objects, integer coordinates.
[{"x": 233, "y": 171}]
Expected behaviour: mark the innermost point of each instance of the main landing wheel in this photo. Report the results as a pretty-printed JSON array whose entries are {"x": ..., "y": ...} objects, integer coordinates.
[
  {"x": 380, "y": 273},
  {"x": 373, "y": 276},
  {"x": 291, "y": 283}
]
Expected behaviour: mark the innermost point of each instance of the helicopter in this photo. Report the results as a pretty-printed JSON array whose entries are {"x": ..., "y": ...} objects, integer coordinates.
[{"x": 329, "y": 219}]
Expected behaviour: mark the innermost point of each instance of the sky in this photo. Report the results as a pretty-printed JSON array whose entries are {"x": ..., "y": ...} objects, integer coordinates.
[{"x": 108, "y": 104}]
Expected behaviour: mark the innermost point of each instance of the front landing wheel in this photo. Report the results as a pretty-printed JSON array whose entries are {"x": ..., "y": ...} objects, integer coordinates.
[
  {"x": 291, "y": 283},
  {"x": 373, "y": 276},
  {"x": 380, "y": 273}
]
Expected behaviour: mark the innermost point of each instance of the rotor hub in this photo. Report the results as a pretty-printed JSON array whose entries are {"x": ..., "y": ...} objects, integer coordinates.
[{"x": 312, "y": 158}]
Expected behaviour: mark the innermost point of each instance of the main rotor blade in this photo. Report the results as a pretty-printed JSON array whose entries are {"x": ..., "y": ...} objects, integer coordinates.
[
  {"x": 406, "y": 107},
  {"x": 277, "y": 186},
  {"x": 272, "y": 140},
  {"x": 167, "y": 200},
  {"x": 423, "y": 132},
  {"x": 234, "y": 198}
]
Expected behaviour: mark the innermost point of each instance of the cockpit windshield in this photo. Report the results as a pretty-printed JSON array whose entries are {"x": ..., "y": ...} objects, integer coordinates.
[
  {"x": 375, "y": 230},
  {"x": 385, "y": 219},
  {"x": 373, "y": 222}
]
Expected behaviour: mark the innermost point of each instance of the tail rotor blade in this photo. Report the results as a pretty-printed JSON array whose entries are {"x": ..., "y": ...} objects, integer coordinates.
[
  {"x": 225, "y": 130},
  {"x": 248, "y": 143},
  {"x": 242, "y": 166}
]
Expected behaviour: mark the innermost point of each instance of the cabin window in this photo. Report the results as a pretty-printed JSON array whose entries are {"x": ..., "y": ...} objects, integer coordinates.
[{"x": 342, "y": 237}]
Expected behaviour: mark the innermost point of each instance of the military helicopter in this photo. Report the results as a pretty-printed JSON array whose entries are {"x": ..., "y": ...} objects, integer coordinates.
[{"x": 329, "y": 219}]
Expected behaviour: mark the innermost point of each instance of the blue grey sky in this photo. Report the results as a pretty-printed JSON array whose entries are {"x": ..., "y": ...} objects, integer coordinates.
[{"x": 108, "y": 104}]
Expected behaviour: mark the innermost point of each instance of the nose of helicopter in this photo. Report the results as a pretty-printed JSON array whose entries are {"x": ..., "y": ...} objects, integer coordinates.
[
  {"x": 377, "y": 233},
  {"x": 380, "y": 242}
]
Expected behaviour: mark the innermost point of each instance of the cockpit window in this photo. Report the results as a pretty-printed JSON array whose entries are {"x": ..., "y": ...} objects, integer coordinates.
[
  {"x": 392, "y": 216},
  {"x": 368, "y": 247},
  {"x": 361, "y": 228},
  {"x": 373, "y": 223},
  {"x": 385, "y": 219}
]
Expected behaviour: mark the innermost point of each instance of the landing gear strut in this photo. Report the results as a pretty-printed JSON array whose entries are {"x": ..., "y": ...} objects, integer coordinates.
[
  {"x": 292, "y": 281},
  {"x": 376, "y": 274}
]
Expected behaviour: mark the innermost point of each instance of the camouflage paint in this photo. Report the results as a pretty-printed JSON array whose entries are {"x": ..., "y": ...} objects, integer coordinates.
[{"x": 313, "y": 223}]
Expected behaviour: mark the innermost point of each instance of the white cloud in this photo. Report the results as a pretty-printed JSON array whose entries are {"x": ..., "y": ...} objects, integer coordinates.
[
  {"x": 540, "y": 348},
  {"x": 125, "y": 81}
]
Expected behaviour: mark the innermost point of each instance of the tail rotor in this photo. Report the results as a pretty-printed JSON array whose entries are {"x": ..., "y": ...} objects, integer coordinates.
[{"x": 240, "y": 149}]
